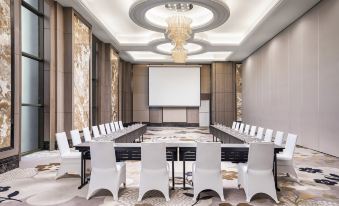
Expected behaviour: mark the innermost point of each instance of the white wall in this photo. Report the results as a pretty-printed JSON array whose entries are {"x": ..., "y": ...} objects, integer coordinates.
[{"x": 291, "y": 83}]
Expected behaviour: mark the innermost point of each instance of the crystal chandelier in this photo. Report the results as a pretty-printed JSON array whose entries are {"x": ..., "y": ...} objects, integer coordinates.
[
  {"x": 179, "y": 31},
  {"x": 179, "y": 54}
]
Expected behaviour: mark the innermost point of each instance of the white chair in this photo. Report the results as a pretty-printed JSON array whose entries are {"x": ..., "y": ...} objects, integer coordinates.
[
  {"x": 70, "y": 160},
  {"x": 278, "y": 140},
  {"x": 256, "y": 175},
  {"x": 106, "y": 172},
  {"x": 108, "y": 129},
  {"x": 112, "y": 127},
  {"x": 253, "y": 130},
  {"x": 87, "y": 134},
  {"x": 233, "y": 125},
  {"x": 116, "y": 125},
  {"x": 121, "y": 125},
  {"x": 241, "y": 128},
  {"x": 247, "y": 129},
  {"x": 154, "y": 174},
  {"x": 102, "y": 129},
  {"x": 237, "y": 125},
  {"x": 75, "y": 135},
  {"x": 268, "y": 135},
  {"x": 285, "y": 158},
  {"x": 95, "y": 131},
  {"x": 206, "y": 170},
  {"x": 260, "y": 133}
]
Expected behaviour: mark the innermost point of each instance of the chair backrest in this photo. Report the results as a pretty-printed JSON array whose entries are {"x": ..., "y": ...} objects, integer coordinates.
[
  {"x": 208, "y": 156},
  {"x": 62, "y": 143},
  {"x": 279, "y": 136},
  {"x": 233, "y": 125},
  {"x": 153, "y": 155},
  {"x": 116, "y": 125},
  {"x": 87, "y": 134},
  {"x": 237, "y": 125},
  {"x": 291, "y": 142},
  {"x": 241, "y": 128},
  {"x": 268, "y": 135},
  {"x": 253, "y": 130},
  {"x": 108, "y": 129},
  {"x": 260, "y": 132},
  {"x": 103, "y": 155},
  {"x": 121, "y": 125},
  {"x": 247, "y": 129},
  {"x": 260, "y": 157},
  {"x": 95, "y": 131},
  {"x": 102, "y": 129},
  {"x": 75, "y": 135},
  {"x": 112, "y": 127}
]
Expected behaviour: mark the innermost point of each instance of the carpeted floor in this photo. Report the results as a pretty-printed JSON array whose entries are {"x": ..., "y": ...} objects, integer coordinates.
[{"x": 34, "y": 182}]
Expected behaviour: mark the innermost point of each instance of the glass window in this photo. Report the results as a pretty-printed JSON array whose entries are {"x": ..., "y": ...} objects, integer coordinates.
[
  {"x": 30, "y": 32},
  {"x": 29, "y": 128},
  {"x": 30, "y": 81},
  {"x": 33, "y": 3}
]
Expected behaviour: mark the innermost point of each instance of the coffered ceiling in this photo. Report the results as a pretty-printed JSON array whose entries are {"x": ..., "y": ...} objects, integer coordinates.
[{"x": 222, "y": 29}]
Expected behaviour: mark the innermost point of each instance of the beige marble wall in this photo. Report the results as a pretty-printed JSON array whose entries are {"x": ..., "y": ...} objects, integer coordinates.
[
  {"x": 290, "y": 84},
  {"x": 81, "y": 73},
  {"x": 17, "y": 81},
  {"x": 238, "y": 80},
  {"x": 5, "y": 74},
  {"x": 114, "y": 86}
]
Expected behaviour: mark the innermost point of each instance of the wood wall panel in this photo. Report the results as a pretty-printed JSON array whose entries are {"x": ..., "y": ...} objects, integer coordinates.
[
  {"x": 141, "y": 111},
  {"x": 223, "y": 93},
  {"x": 140, "y": 93},
  {"x": 290, "y": 83}
]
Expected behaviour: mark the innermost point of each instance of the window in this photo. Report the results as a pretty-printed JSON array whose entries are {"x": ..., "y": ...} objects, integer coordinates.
[{"x": 32, "y": 75}]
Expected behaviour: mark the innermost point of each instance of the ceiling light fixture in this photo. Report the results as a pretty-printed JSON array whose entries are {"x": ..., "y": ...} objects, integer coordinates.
[
  {"x": 179, "y": 31},
  {"x": 179, "y": 54},
  {"x": 180, "y": 7}
]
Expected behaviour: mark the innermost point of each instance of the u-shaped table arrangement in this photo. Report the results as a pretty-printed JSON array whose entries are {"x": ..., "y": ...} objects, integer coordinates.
[{"x": 177, "y": 151}]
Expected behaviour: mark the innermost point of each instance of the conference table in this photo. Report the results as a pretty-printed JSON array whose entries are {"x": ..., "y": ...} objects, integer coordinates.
[
  {"x": 127, "y": 135},
  {"x": 175, "y": 151},
  {"x": 229, "y": 136}
]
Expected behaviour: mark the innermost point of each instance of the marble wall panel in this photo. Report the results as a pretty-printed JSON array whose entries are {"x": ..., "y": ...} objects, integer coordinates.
[
  {"x": 81, "y": 73},
  {"x": 115, "y": 86},
  {"x": 5, "y": 74}
]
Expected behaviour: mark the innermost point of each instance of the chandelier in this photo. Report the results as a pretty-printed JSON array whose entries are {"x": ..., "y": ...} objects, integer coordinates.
[
  {"x": 179, "y": 54},
  {"x": 179, "y": 31}
]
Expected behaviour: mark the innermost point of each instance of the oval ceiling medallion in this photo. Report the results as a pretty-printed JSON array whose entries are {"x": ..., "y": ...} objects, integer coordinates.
[{"x": 205, "y": 15}]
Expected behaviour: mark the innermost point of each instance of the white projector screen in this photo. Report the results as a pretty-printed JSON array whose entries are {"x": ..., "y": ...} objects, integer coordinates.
[{"x": 174, "y": 86}]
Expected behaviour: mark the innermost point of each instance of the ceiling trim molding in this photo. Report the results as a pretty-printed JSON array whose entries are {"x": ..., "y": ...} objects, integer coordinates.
[{"x": 220, "y": 10}]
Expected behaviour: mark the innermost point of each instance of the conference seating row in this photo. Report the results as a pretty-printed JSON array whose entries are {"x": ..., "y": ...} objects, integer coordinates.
[
  {"x": 70, "y": 158},
  {"x": 284, "y": 159},
  {"x": 255, "y": 176}
]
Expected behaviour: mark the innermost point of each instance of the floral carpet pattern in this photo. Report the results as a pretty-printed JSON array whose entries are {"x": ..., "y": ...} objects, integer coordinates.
[{"x": 34, "y": 182}]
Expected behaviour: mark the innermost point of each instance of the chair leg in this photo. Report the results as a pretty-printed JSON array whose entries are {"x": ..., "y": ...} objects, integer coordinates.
[
  {"x": 221, "y": 194},
  {"x": 115, "y": 195},
  {"x": 196, "y": 195},
  {"x": 61, "y": 172},
  {"x": 141, "y": 195}
]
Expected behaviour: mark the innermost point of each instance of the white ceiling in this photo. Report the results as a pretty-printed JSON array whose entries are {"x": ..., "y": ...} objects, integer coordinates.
[{"x": 251, "y": 23}]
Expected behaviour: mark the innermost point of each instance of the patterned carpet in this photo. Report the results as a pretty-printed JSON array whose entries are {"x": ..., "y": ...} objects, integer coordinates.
[{"x": 34, "y": 182}]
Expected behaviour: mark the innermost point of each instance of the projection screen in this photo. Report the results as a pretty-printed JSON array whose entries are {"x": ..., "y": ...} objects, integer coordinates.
[{"x": 174, "y": 86}]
